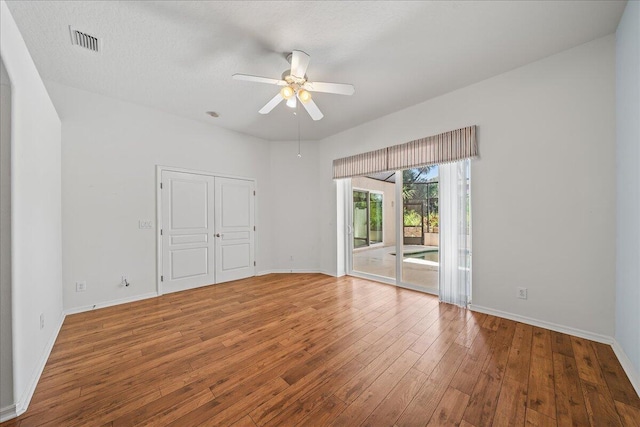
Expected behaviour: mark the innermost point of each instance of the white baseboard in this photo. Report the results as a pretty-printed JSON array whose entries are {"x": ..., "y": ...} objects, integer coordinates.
[
  {"x": 331, "y": 273},
  {"x": 23, "y": 403},
  {"x": 110, "y": 303},
  {"x": 287, "y": 271},
  {"x": 628, "y": 367},
  {"x": 543, "y": 324},
  {"x": 7, "y": 413}
]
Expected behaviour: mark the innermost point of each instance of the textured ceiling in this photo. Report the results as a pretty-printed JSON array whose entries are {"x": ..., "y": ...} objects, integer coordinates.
[{"x": 179, "y": 56}]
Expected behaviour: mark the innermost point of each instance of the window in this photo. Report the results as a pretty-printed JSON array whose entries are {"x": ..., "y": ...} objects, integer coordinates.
[
  {"x": 375, "y": 218},
  {"x": 367, "y": 218}
]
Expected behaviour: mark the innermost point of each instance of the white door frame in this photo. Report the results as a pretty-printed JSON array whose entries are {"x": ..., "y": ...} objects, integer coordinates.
[{"x": 159, "y": 170}]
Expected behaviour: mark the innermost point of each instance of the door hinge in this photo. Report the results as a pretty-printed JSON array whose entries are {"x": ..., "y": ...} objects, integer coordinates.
[
  {"x": 254, "y": 263},
  {"x": 254, "y": 228},
  {"x": 162, "y": 278},
  {"x": 161, "y": 186},
  {"x": 161, "y": 231},
  {"x": 254, "y": 192}
]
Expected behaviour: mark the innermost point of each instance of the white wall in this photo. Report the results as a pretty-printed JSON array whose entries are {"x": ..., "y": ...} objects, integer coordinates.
[
  {"x": 294, "y": 204},
  {"x": 6, "y": 349},
  {"x": 543, "y": 190},
  {"x": 109, "y": 154},
  {"x": 628, "y": 184},
  {"x": 35, "y": 212}
]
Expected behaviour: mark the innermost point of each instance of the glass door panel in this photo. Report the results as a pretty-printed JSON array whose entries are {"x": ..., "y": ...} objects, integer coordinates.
[
  {"x": 419, "y": 246},
  {"x": 373, "y": 219}
]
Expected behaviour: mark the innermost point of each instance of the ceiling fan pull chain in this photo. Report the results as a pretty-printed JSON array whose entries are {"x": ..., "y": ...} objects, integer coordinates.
[{"x": 298, "y": 118}]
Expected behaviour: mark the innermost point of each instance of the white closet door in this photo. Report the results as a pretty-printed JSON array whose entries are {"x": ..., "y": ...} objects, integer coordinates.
[
  {"x": 187, "y": 231},
  {"x": 234, "y": 223}
]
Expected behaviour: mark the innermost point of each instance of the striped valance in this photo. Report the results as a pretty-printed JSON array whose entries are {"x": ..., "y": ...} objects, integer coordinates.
[
  {"x": 361, "y": 164},
  {"x": 443, "y": 148}
]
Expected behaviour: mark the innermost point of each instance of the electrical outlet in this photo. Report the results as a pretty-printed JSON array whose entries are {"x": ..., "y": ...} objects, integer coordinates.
[
  {"x": 145, "y": 224},
  {"x": 81, "y": 286},
  {"x": 522, "y": 293},
  {"x": 41, "y": 320}
]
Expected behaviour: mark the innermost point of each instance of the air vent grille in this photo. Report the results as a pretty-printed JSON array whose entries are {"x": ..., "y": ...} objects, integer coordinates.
[{"x": 87, "y": 41}]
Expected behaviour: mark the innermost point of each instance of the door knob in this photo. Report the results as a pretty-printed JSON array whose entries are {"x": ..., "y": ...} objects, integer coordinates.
[{"x": 218, "y": 235}]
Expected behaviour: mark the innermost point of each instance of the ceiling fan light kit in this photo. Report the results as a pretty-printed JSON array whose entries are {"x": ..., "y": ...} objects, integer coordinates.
[
  {"x": 304, "y": 95},
  {"x": 295, "y": 86},
  {"x": 287, "y": 92}
]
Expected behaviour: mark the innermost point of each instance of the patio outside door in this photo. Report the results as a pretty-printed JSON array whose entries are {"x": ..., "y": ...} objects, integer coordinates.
[
  {"x": 372, "y": 225},
  {"x": 403, "y": 204}
]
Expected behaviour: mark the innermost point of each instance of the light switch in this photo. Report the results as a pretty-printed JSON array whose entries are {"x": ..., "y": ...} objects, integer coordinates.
[{"x": 145, "y": 224}]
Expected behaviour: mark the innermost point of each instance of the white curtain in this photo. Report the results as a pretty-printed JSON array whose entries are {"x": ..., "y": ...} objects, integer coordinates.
[{"x": 455, "y": 233}]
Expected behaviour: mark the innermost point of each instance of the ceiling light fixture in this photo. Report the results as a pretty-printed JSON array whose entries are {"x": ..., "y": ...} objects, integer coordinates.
[
  {"x": 304, "y": 95},
  {"x": 295, "y": 85},
  {"x": 287, "y": 92},
  {"x": 293, "y": 91},
  {"x": 291, "y": 102}
]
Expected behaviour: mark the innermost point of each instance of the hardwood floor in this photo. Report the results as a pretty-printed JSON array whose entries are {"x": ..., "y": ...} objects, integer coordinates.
[{"x": 312, "y": 350}]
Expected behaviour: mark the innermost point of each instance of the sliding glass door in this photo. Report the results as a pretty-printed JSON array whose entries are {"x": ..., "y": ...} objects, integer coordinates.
[
  {"x": 372, "y": 228},
  {"x": 409, "y": 257},
  {"x": 420, "y": 238}
]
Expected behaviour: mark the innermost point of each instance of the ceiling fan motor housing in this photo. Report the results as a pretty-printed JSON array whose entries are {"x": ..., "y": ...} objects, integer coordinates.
[{"x": 293, "y": 80}]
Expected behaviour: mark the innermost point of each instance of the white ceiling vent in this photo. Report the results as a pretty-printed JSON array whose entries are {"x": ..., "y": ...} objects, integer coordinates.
[{"x": 87, "y": 41}]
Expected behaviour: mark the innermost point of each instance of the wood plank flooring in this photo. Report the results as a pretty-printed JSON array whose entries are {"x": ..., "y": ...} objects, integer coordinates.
[{"x": 313, "y": 350}]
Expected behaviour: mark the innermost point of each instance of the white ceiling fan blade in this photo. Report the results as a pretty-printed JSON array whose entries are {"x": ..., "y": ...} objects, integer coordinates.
[
  {"x": 299, "y": 63},
  {"x": 312, "y": 109},
  {"x": 338, "y": 88},
  {"x": 271, "y": 104},
  {"x": 258, "y": 79}
]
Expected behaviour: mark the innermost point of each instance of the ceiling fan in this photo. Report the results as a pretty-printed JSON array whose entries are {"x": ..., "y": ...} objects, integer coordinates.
[{"x": 296, "y": 86}]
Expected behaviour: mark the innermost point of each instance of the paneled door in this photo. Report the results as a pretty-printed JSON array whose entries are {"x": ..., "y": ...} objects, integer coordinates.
[
  {"x": 234, "y": 223},
  {"x": 207, "y": 232},
  {"x": 187, "y": 230}
]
